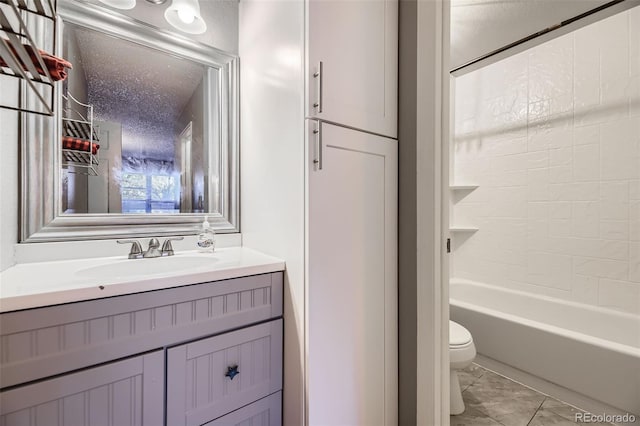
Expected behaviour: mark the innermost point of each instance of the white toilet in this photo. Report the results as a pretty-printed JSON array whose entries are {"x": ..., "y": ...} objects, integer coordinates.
[{"x": 462, "y": 352}]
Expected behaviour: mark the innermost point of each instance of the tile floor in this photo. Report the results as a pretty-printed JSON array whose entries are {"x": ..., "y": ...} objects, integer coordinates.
[{"x": 493, "y": 400}]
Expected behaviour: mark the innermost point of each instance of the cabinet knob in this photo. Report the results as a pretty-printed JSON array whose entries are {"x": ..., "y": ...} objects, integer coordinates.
[{"x": 232, "y": 372}]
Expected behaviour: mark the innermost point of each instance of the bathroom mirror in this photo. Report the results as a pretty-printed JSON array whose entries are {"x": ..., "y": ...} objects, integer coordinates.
[{"x": 144, "y": 140}]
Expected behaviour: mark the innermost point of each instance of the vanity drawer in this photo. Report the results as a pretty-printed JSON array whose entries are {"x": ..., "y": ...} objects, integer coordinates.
[
  {"x": 42, "y": 342},
  {"x": 199, "y": 385},
  {"x": 128, "y": 393},
  {"x": 265, "y": 412}
]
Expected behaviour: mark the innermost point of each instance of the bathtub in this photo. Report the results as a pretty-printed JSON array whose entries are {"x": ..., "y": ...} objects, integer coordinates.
[{"x": 589, "y": 350}]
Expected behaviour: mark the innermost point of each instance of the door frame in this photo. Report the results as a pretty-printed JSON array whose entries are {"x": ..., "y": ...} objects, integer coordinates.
[
  {"x": 185, "y": 140},
  {"x": 434, "y": 110}
]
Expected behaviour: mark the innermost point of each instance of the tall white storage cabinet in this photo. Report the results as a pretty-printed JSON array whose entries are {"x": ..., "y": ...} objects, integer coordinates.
[
  {"x": 352, "y": 274},
  {"x": 319, "y": 83},
  {"x": 353, "y": 63}
]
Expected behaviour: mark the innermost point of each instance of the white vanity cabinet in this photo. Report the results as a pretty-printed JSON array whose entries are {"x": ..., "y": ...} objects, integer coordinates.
[
  {"x": 353, "y": 63},
  {"x": 103, "y": 361}
]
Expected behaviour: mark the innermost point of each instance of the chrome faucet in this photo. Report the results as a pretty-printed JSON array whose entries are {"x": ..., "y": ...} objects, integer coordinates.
[{"x": 151, "y": 252}]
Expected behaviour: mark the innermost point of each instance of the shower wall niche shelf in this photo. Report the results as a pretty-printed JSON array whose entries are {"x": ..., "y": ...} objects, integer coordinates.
[
  {"x": 20, "y": 56},
  {"x": 80, "y": 155},
  {"x": 463, "y": 187},
  {"x": 461, "y": 229}
]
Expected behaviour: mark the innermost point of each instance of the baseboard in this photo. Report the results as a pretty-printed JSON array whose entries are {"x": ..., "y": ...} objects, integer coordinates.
[{"x": 563, "y": 394}]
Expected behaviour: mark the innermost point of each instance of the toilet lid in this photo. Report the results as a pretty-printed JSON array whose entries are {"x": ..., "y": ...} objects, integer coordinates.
[{"x": 458, "y": 335}]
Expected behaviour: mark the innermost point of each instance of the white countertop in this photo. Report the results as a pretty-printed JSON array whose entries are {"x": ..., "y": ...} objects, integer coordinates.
[{"x": 32, "y": 285}]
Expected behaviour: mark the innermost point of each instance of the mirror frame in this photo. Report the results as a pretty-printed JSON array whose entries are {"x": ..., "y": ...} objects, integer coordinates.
[{"x": 41, "y": 175}]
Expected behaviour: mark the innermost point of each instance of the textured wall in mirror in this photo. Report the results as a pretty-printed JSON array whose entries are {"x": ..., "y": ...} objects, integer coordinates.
[
  {"x": 143, "y": 89},
  {"x": 143, "y": 99}
]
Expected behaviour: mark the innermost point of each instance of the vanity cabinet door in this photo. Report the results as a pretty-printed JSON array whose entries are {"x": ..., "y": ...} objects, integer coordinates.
[
  {"x": 123, "y": 393},
  {"x": 209, "y": 378},
  {"x": 357, "y": 44},
  {"x": 265, "y": 412}
]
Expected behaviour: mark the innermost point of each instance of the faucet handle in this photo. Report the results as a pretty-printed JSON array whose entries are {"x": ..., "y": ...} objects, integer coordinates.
[
  {"x": 136, "y": 248},
  {"x": 167, "y": 248}
]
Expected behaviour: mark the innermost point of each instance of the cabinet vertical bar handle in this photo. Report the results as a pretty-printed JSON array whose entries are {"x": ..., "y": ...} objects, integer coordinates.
[
  {"x": 317, "y": 161},
  {"x": 318, "y": 75}
]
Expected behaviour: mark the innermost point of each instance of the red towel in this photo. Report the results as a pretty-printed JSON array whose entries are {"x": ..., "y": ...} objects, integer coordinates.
[
  {"x": 79, "y": 145},
  {"x": 56, "y": 66}
]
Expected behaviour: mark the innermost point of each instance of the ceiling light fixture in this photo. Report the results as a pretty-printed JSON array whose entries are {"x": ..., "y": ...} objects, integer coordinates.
[
  {"x": 120, "y": 4},
  {"x": 182, "y": 14},
  {"x": 185, "y": 16}
]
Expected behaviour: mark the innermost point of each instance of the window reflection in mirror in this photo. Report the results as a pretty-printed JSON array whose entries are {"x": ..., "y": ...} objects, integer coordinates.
[{"x": 148, "y": 109}]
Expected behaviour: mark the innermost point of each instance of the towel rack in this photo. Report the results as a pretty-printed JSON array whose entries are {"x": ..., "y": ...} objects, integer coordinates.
[
  {"x": 77, "y": 122},
  {"x": 20, "y": 55}
]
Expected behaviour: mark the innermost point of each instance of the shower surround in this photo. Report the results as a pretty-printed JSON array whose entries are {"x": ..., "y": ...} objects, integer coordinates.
[
  {"x": 549, "y": 283},
  {"x": 552, "y": 137}
]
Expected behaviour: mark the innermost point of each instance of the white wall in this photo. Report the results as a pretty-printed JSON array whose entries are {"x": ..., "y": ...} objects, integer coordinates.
[
  {"x": 272, "y": 163},
  {"x": 552, "y": 136},
  {"x": 479, "y": 27},
  {"x": 9, "y": 175}
]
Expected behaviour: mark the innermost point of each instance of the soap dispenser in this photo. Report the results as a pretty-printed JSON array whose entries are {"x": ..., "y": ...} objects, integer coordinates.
[{"x": 207, "y": 237}]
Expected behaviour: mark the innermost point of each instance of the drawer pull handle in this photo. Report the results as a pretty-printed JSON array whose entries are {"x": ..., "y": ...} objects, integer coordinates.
[{"x": 232, "y": 372}]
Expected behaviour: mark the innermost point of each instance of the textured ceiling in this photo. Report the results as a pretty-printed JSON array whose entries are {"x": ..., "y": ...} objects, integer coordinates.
[
  {"x": 479, "y": 27},
  {"x": 143, "y": 89}
]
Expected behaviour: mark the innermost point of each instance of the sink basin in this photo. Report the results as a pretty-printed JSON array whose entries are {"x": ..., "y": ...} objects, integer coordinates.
[{"x": 138, "y": 267}]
